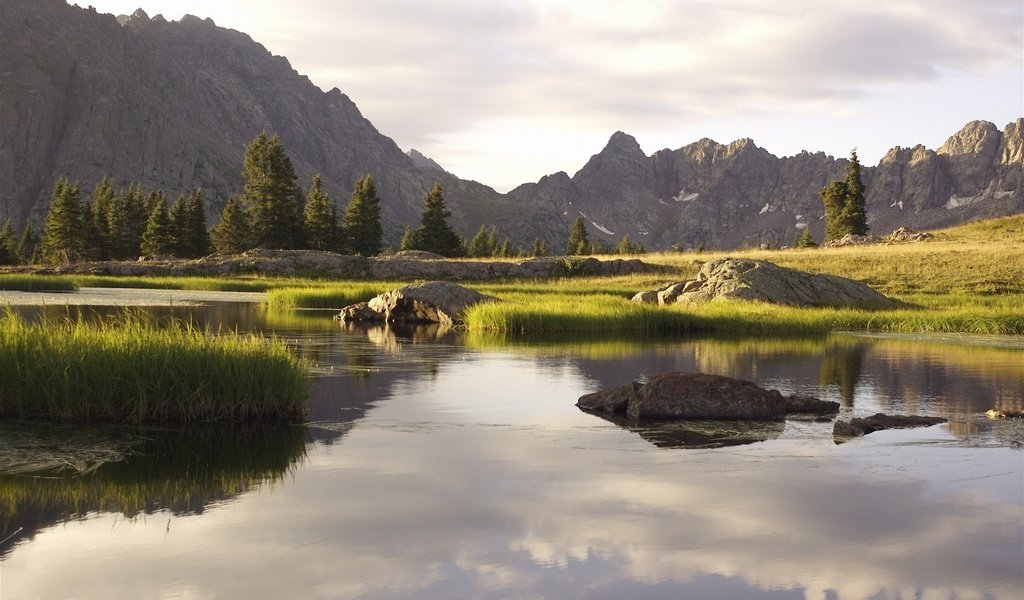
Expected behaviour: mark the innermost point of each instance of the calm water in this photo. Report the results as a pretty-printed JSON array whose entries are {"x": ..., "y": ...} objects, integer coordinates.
[{"x": 457, "y": 466}]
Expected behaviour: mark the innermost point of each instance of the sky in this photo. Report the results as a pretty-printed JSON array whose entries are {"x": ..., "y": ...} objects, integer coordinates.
[{"x": 507, "y": 91}]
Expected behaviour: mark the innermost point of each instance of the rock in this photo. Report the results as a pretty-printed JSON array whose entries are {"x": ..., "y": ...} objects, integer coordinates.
[
  {"x": 746, "y": 279},
  {"x": 995, "y": 413},
  {"x": 809, "y": 405},
  {"x": 701, "y": 396},
  {"x": 613, "y": 400},
  {"x": 879, "y": 421},
  {"x": 431, "y": 302}
]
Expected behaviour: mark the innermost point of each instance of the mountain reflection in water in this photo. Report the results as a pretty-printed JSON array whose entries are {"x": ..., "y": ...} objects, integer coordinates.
[{"x": 452, "y": 464}]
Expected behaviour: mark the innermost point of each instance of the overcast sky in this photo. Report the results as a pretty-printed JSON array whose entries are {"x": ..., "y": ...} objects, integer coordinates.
[{"x": 506, "y": 91}]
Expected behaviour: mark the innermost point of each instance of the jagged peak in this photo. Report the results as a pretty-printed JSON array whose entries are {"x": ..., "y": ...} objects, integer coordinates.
[
  {"x": 139, "y": 17},
  {"x": 973, "y": 138},
  {"x": 421, "y": 160},
  {"x": 623, "y": 143},
  {"x": 1011, "y": 150}
]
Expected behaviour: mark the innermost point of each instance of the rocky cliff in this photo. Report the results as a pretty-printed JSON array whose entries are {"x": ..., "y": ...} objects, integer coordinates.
[{"x": 173, "y": 104}]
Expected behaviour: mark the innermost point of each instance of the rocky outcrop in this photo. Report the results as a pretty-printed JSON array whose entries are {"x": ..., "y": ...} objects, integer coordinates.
[
  {"x": 699, "y": 396},
  {"x": 745, "y": 279},
  {"x": 431, "y": 302},
  {"x": 879, "y": 421}
]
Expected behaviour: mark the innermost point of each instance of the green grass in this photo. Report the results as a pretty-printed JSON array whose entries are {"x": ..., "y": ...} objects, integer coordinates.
[
  {"x": 133, "y": 370},
  {"x": 335, "y": 295},
  {"x": 23, "y": 282}
]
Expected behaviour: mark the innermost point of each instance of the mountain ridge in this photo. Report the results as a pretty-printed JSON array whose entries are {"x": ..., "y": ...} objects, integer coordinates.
[{"x": 171, "y": 104}]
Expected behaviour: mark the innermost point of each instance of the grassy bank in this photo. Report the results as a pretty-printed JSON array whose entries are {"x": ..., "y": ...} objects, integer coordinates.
[
  {"x": 20, "y": 282},
  {"x": 133, "y": 370}
]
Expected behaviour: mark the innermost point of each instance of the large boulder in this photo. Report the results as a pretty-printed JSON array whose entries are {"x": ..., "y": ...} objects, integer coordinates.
[
  {"x": 431, "y": 302},
  {"x": 746, "y": 279},
  {"x": 669, "y": 396}
]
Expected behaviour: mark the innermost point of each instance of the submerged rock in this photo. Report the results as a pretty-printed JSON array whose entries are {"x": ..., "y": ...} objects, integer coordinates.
[
  {"x": 995, "y": 413},
  {"x": 879, "y": 421},
  {"x": 431, "y": 302},
  {"x": 745, "y": 279}
]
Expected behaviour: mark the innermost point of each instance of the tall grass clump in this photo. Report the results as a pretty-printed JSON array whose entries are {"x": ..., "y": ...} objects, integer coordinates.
[
  {"x": 24, "y": 282},
  {"x": 333, "y": 296},
  {"x": 133, "y": 370}
]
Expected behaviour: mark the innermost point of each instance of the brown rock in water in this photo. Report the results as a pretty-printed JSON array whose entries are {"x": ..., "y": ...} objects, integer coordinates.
[
  {"x": 431, "y": 302},
  {"x": 879, "y": 421},
  {"x": 809, "y": 405},
  {"x": 613, "y": 400},
  {"x": 703, "y": 396}
]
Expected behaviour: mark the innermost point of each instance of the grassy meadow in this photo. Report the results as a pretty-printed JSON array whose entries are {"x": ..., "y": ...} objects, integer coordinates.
[
  {"x": 136, "y": 370},
  {"x": 968, "y": 279}
]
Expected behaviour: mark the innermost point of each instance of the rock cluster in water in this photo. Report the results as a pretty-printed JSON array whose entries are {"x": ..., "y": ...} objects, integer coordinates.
[
  {"x": 746, "y": 279},
  {"x": 440, "y": 302}
]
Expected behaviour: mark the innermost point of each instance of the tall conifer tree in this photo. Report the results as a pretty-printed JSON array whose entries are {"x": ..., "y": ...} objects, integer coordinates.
[
  {"x": 578, "y": 243},
  {"x": 361, "y": 223},
  {"x": 158, "y": 240},
  {"x": 320, "y": 220},
  {"x": 272, "y": 195},
  {"x": 64, "y": 230},
  {"x": 233, "y": 233},
  {"x": 434, "y": 233}
]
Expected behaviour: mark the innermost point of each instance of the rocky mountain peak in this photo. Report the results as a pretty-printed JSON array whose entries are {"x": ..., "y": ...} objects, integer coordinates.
[
  {"x": 423, "y": 161},
  {"x": 623, "y": 144},
  {"x": 976, "y": 137},
  {"x": 1011, "y": 151}
]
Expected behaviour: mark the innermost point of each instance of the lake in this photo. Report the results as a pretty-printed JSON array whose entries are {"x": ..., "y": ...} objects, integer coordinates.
[{"x": 456, "y": 465}]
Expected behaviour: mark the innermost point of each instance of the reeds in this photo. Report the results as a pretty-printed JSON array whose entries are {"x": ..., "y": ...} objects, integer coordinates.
[
  {"x": 24, "y": 282},
  {"x": 133, "y": 370},
  {"x": 336, "y": 295}
]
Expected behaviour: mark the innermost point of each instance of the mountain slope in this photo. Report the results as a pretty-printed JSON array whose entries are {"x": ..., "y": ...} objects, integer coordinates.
[{"x": 173, "y": 104}]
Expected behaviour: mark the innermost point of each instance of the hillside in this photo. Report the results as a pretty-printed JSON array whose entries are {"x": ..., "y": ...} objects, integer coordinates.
[{"x": 172, "y": 105}]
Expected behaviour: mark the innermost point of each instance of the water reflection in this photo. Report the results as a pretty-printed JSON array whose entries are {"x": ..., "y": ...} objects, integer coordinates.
[
  {"x": 50, "y": 474},
  {"x": 440, "y": 464}
]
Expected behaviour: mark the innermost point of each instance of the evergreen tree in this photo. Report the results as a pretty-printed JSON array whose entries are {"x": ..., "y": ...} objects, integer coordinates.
[
  {"x": 408, "y": 239},
  {"x": 854, "y": 215},
  {"x": 321, "y": 221},
  {"x": 540, "y": 247},
  {"x": 272, "y": 195},
  {"x": 100, "y": 207},
  {"x": 233, "y": 233},
  {"x": 434, "y": 233},
  {"x": 844, "y": 204},
  {"x": 805, "y": 240},
  {"x": 127, "y": 223},
  {"x": 627, "y": 246},
  {"x": 361, "y": 224},
  {"x": 64, "y": 230},
  {"x": 178, "y": 228},
  {"x": 195, "y": 216},
  {"x": 833, "y": 196},
  {"x": 8, "y": 245},
  {"x": 483, "y": 243},
  {"x": 578, "y": 243},
  {"x": 27, "y": 250},
  {"x": 158, "y": 240}
]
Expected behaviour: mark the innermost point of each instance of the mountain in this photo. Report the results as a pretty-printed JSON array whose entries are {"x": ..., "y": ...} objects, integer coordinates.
[{"x": 173, "y": 104}]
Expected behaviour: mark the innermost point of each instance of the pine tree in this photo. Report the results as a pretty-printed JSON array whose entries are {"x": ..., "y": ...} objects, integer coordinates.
[
  {"x": 195, "y": 216},
  {"x": 178, "y": 228},
  {"x": 158, "y": 240},
  {"x": 8, "y": 245},
  {"x": 578, "y": 243},
  {"x": 540, "y": 247},
  {"x": 483, "y": 243},
  {"x": 64, "y": 230},
  {"x": 361, "y": 224},
  {"x": 805, "y": 240},
  {"x": 408, "y": 240},
  {"x": 100, "y": 207},
  {"x": 320, "y": 220},
  {"x": 233, "y": 233},
  {"x": 833, "y": 196},
  {"x": 627, "y": 246},
  {"x": 854, "y": 216},
  {"x": 27, "y": 251},
  {"x": 434, "y": 233},
  {"x": 272, "y": 196},
  {"x": 127, "y": 223}
]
